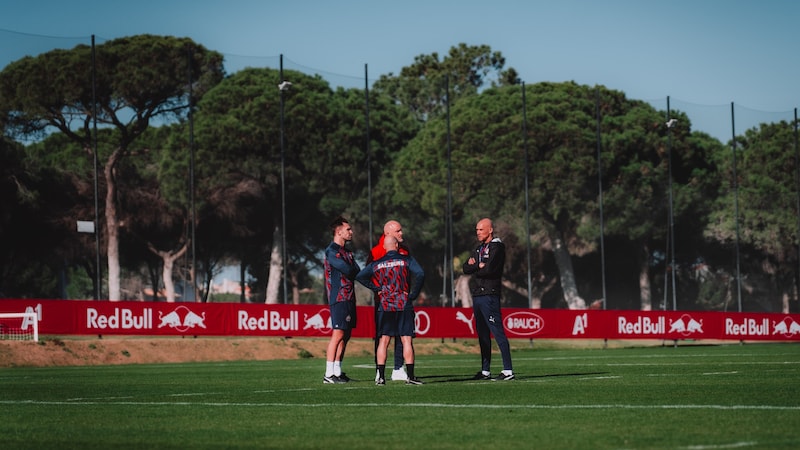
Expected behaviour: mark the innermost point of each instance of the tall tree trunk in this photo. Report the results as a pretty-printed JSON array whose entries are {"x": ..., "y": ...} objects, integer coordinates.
[
  {"x": 295, "y": 287},
  {"x": 645, "y": 292},
  {"x": 785, "y": 302},
  {"x": 242, "y": 283},
  {"x": 169, "y": 263},
  {"x": 275, "y": 268},
  {"x": 540, "y": 290},
  {"x": 193, "y": 280},
  {"x": 566, "y": 272},
  {"x": 112, "y": 226},
  {"x": 209, "y": 276},
  {"x": 463, "y": 293}
]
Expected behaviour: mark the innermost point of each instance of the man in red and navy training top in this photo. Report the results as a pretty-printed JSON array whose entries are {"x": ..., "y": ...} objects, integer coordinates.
[
  {"x": 340, "y": 272},
  {"x": 394, "y": 229},
  {"x": 397, "y": 279}
]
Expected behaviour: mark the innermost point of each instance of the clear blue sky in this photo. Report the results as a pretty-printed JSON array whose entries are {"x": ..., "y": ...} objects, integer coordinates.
[{"x": 703, "y": 54}]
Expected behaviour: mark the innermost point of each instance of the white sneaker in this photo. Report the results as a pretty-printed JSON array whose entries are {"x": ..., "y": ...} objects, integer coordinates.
[
  {"x": 399, "y": 374},
  {"x": 377, "y": 375}
]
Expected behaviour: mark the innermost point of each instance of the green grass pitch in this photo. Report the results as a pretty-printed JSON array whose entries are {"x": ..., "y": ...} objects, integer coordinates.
[{"x": 685, "y": 397}]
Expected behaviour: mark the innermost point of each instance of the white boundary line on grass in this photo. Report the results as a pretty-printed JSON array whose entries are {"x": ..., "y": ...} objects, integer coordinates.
[
  {"x": 406, "y": 405},
  {"x": 719, "y": 446}
]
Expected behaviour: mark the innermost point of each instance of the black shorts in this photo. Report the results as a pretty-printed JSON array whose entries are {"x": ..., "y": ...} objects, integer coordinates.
[{"x": 343, "y": 315}]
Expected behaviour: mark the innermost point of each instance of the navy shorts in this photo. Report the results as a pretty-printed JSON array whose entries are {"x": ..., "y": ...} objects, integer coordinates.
[
  {"x": 343, "y": 315},
  {"x": 406, "y": 326},
  {"x": 387, "y": 323},
  {"x": 396, "y": 323}
]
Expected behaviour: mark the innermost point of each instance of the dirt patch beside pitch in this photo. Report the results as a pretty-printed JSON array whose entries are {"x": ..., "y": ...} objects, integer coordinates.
[
  {"x": 87, "y": 351},
  {"x": 78, "y": 351}
]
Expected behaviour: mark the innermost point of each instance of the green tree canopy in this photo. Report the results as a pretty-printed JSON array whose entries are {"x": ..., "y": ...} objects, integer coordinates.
[
  {"x": 137, "y": 79},
  {"x": 421, "y": 87},
  {"x": 325, "y": 162},
  {"x": 764, "y": 194}
]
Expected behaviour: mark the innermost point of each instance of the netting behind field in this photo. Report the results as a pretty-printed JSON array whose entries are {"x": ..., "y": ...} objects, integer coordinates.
[
  {"x": 712, "y": 281},
  {"x": 17, "y": 327}
]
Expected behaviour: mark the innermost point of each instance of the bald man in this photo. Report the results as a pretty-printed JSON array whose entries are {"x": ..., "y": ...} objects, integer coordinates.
[
  {"x": 397, "y": 280},
  {"x": 486, "y": 267},
  {"x": 393, "y": 229}
]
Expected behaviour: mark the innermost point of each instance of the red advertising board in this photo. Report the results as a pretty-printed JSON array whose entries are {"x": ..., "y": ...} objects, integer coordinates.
[{"x": 65, "y": 317}]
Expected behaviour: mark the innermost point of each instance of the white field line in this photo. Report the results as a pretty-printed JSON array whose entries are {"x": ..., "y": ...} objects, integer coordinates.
[
  {"x": 410, "y": 405},
  {"x": 720, "y": 446},
  {"x": 735, "y": 363},
  {"x": 659, "y": 356}
]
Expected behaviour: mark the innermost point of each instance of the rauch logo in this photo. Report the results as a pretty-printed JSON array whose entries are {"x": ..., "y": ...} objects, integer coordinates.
[{"x": 524, "y": 323}]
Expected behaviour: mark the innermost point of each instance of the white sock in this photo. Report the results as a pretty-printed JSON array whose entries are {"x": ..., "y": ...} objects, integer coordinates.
[
  {"x": 337, "y": 368},
  {"x": 328, "y": 368}
]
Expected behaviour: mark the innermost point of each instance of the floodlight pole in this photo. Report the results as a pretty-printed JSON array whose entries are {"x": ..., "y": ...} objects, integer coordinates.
[
  {"x": 98, "y": 278},
  {"x": 193, "y": 269},
  {"x": 283, "y": 191},
  {"x": 527, "y": 188},
  {"x": 600, "y": 195},
  {"x": 797, "y": 189},
  {"x": 670, "y": 124},
  {"x": 736, "y": 210},
  {"x": 369, "y": 152},
  {"x": 449, "y": 218}
]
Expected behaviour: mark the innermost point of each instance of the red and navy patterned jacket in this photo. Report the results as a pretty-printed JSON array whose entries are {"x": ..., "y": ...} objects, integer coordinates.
[
  {"x": 340, "y": 272},
  {"x": 390, "y": 277}
]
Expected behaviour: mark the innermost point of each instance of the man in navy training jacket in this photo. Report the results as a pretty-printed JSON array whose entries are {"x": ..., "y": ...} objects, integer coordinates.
[{"x": 340, "y": 271}]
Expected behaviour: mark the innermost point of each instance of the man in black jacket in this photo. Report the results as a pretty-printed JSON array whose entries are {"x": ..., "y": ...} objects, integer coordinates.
[{"x": 486, "y": 267}]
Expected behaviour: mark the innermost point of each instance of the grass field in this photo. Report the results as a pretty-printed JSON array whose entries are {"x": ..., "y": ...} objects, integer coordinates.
[{"x": 685, "y": 397}]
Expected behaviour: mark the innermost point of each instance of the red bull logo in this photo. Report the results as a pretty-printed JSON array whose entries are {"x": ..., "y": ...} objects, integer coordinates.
[
  {"x": 686, "y": 325},
  {"x": 524, "y": 323},
  {"x": 786, "y": 327},
  {"x": 120, "y": 319},
  {"x": 181, "y": 319},
  {"x": 747, "y": 327},
  {"x": 642, "y": 325},
  {"x": 321, "y": 321},
  {"x": 271, "y": 320}
]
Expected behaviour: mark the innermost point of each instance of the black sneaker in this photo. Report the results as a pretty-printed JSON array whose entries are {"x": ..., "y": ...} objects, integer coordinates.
[
  {"x": 333, "y": 379},
  {"x": 380, "y": 382},
  {"x": 504, "y": 377},
  {"x": 344, "y": 378},
  {"x": 414, "y": 380},
  {"x": 481, "y": 376}
]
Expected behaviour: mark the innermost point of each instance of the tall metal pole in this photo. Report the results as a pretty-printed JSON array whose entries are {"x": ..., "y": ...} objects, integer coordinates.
[
  {"x": 527, "y": 200},
  {"x": 449, "y": 220},
  {"x": 98, "y": 270},
  {"x": 283, "y": 191},
  {"x": 797, "y": 191},
  {"x": 193, "y": 222},
  {"x": 670, "y": 124},
  {"x": 736, "y": 211},
  {"x": 600, "y": 196},
  {"x": 369, "y": 152}
]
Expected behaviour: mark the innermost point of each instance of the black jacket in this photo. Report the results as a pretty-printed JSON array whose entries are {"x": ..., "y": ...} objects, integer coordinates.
[{"x": 486, "y": 280}]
